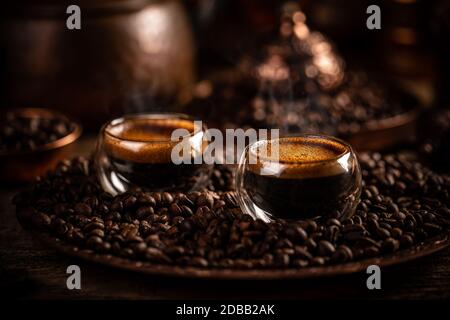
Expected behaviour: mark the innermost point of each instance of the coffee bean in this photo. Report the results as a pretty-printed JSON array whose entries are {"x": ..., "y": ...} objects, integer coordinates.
[
  {"x": 311, "y": 244},
  {"x": 94, "y": 241},
  {"x": 296, "y": 234},
  {"x": 200, "y": 262},
  {"x": 282, "y": 260},
  {"x": 371, "y": 251},
  {"x": 300, "y": 263},
  {"x": 432, "y": 228},
  {"x": 144, "y": 212},
  {"x": 353, "y": 228},
  {"x": 40, "y": 219},
  {"x": 186, "y": 226},
  {"x": 325, "y": 248},
  {"x": 129, "y": 202},
  {"x": 396, "y": 233},
  {"x": 186, "y": 211},
  {"x": 117, "y": 206},
  {"x": 318, "y": 261},
  {"x": 83, "y": 209},
  {"x": 157, "y": 255},
  {"x": 93, "y": 226},
  {"x": 333, "y": 222},
  {"x": 175, "y": 209},
  {"x": 406, "y": 240},
  {"x": 146, "y": 199},
  {"x": 343, "y": 254},
  {"x": 382, "y": 233},
  {"x": 390, "y": 245},
  {"x": 166, "y": 198},
  {"x": 205, "y": 199}
]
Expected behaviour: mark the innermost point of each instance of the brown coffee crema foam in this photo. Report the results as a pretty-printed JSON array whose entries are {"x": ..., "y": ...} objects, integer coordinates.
[
  {"x": 300, "y": 157},
  {"x": 145, "y": 140}
]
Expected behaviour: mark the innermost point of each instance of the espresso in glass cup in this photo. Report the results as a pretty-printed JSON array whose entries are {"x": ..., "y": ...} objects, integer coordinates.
[
  {"x": 299, "y": 177},
  {"x": 136, "y": 151}
]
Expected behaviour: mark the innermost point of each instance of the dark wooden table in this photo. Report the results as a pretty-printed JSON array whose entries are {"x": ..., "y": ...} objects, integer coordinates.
[{"x": 30, "y": 271}]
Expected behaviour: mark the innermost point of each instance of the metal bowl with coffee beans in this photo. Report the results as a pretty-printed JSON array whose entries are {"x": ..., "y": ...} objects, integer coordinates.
[
  {"x": 33, "y": 141},
  {"x": 404, "y": 213},
  {"x": 296, "y": 81}
]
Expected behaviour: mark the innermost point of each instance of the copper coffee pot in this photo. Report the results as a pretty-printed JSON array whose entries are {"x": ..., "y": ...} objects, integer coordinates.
[{"x": 129, "y": 56}]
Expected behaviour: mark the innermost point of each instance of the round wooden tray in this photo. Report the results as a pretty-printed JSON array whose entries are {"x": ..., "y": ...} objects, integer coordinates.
[{"x": 432, "y": 245}]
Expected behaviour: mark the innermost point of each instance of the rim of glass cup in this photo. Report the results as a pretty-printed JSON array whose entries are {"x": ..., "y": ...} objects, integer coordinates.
[
  {"x": 348, "y": 148},
  {"x": 153, "y": 116}
]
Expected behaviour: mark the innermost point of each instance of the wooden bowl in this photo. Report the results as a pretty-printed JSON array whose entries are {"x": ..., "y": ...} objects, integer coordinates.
[{"x": 24, "y": 166}]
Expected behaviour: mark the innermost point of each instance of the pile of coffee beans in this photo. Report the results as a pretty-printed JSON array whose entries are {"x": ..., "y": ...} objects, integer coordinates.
[
  {"x": 20, "y": 133},
  {"x": 403, "y": 204}
]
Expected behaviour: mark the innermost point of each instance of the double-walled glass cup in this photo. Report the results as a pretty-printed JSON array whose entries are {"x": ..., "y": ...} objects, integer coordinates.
[
  {"x": 142, "y": 150},
  {"x": 299, "y": 177}
]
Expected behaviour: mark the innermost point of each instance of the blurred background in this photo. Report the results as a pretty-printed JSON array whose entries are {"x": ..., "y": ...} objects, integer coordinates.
[{"x": 301, "y": 66}]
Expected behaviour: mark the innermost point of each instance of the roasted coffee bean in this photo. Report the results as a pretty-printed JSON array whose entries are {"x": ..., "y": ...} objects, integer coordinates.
[
  {"x": 299, "y": 263},
  {"x": 282, "y": 260},
  {"x": 129, "y": 202},
  {"x": 157, "y": 255},
  {"x": 366, "y": 242},
  {"x": 175, "y": 209},
  {"x": 187, "y": 226},
  {"x": 355, "y": 235},
  {"x": 94, "y": 241},
  {"x": 332, "y": 233},
  {"x": 83, "y": 209},
  {"x": 60, "y": 227},
  {"x": 333, "y": 222},
  {"x": 311, "y": 244},
  {"x": 117, "y": 206},
  {"x": 144, "y": 212},
  {"x": 296, "y": 234},
  {"x": 40, "y": 219},
  {"x": 325, "y": 248},
  {"x": 352, "y": 228},
  {"x": 432, "y": 228},
  {"x": 382, "y": 233},
  {"x": 371, "y": 251},
  {"x": 318, "y": 261},
  {"x": 390, "y": 245},
  {"x": 406, "y": 240},
  {"x": 343, "y": 254},
  {"x": 97, "y": 232},
  {"x": 396, "y": 233},
  {"x": 205, "y": 199},
  {"x": 93, "y": 225},
  {"x": 186, "y": 211},
  {"x": 146, "y": 199},
  {"x": 399, "y": 216},
  {"x": 166, "y": 198}
]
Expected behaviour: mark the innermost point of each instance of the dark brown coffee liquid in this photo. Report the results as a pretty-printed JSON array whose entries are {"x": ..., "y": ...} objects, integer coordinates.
[
  {"x": 311, "y": 182},
  {"x": 162, "y": 176},
  {"x": 298, "y": 198},
  {"x": 139, "y": 152}
]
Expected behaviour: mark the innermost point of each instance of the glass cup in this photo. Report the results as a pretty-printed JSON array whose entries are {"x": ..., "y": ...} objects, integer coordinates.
[
  {"x": 299, "y": 177},
  {"x": 137, "y": 151}
]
